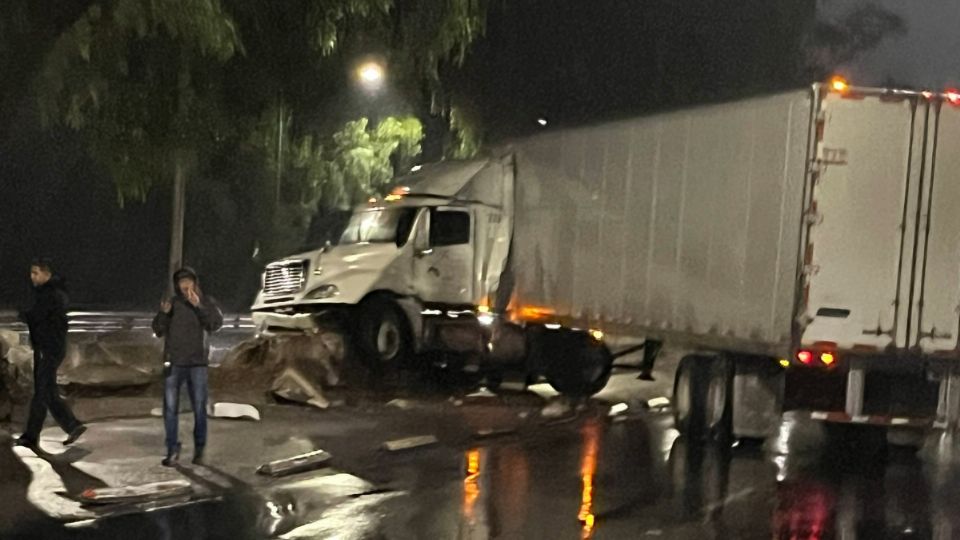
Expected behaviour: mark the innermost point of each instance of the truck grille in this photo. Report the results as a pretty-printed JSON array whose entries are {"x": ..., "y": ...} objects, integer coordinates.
[{"x": 284, "y": 277}]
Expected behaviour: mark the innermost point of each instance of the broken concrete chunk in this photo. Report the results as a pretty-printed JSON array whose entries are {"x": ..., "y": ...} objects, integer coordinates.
[
  {"x": 401, "y": 404},
  {"x": 141, "y": 493},
  {"x": 556, "y": 409},
  {"x": 514, "y": 386},
  {"x": 483, "y": 391},
  {"x": 296, "y": 464},
  {"x": 409, "y": 442},
  {"x": 294, "y": 386},
  {"x": 487, "y": 433},
  {"x": 658, "y": 403},
  {"x": 618, "y": 409},
  {"x": 235, "y": 410}
]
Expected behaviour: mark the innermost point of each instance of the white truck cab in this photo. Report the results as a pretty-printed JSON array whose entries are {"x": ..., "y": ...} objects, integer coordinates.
[{"x": 417, "y": 266}]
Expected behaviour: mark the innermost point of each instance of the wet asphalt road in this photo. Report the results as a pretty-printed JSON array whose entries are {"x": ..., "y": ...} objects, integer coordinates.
[{"x": 579, "y": 474}]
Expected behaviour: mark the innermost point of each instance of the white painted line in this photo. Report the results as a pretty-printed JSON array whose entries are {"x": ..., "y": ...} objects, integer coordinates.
[
  {"x": 861, "y": 419},
  {"x": 817, "y": 415},
  {"x": 899, "y": 421}
]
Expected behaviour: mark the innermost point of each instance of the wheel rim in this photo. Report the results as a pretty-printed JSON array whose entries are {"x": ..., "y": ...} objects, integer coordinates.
[
  {"x": 388, "y": 340},
  {"x": 716, "y": 399}
]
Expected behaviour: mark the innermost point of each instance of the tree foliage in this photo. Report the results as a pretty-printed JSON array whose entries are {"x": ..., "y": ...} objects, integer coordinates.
[
  {"x": 148, "y": 82},
  {"x": 834, "y": 42},
  {"x": 339, "y": 171},
  {"x": 134, "y": 77}
]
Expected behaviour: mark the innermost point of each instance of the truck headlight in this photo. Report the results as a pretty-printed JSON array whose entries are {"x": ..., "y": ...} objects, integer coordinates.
[{"x": 323, "y": 291}]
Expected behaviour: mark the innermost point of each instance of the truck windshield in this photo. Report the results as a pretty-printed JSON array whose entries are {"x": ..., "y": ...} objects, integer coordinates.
[{"x": 380, "y": 226}]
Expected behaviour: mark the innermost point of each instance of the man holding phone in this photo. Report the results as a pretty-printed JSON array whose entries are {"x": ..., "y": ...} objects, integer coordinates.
[{"x": 184, "y": 322}]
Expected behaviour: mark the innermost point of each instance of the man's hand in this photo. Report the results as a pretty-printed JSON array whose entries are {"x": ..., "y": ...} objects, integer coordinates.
[
  {"x": 166, "y": 306},
  {"x": 193, "y": 297}
]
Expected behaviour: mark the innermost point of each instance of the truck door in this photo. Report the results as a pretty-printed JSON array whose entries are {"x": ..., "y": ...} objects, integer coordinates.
[
  {"x": 937, "y": 275},
  {"x": 443, "y": 264},
  {"x": 861, "y": 222}
]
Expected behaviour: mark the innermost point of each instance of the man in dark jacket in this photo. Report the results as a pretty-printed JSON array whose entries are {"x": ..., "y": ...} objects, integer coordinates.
[
  {"x": 47, "y": 322},
  {"x": 184, "y": 323}
]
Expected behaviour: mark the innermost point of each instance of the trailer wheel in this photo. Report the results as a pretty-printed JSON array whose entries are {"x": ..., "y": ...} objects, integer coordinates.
[
  {"x": 383, "y": 336},
  {"x": 702, "y": 397},
  {"x": 575, "y": 363}
]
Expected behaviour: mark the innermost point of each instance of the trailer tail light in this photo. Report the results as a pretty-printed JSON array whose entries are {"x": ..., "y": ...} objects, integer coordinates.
[
  {"x": 827, "y": 359},
  {"x": 953, "y": 96},
  {"x": 805, "y": 357}
]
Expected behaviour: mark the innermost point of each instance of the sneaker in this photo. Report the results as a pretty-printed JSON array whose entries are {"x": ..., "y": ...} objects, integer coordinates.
[
  {"x": 74, "y": 435},
  {"x": 173, "y": 455},
  {"x": 25, "y": 442}
]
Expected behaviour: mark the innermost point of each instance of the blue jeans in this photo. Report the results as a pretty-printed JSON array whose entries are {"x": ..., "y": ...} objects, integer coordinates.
[{"x": 196, "y": 379}]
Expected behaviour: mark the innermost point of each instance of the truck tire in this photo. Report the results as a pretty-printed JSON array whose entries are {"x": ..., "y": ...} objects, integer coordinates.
[
  {"x": 757, "y": 397},
  {"x": 382, "y": 333},
  {"x": 574, "y": 363},
  {"x": 702, "y": 397}
]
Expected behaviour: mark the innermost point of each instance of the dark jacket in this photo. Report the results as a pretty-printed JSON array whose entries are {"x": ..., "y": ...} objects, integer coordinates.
[
  {"x": 47, "y": 318},
  {"x": 185, "y": 327}
]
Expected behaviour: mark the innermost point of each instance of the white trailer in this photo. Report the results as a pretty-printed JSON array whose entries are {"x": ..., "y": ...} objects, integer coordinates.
[{"x": 806, "y": 234}]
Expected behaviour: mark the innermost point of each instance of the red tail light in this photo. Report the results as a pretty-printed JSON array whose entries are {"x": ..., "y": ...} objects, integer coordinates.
[
  {"x": 805, "y": 357},
  {"x": 953, "y": 96}
]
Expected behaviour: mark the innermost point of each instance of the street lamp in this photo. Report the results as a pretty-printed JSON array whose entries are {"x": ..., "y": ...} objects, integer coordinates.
[{"x": 370, "y": 75}]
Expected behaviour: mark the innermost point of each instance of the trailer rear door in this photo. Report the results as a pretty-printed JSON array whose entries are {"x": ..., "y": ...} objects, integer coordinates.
[
  {"x": 861, "y": 219},
  {"x": 936, "y": 306}
]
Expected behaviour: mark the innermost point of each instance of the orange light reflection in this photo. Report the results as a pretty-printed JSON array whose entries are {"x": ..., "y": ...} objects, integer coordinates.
[
  {"x": 588, "y": 466},
  {"x": 471, "y": 484}
]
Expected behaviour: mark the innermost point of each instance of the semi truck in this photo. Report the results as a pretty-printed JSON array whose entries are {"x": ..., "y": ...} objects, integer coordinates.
[{"x": 804, "y": 246}]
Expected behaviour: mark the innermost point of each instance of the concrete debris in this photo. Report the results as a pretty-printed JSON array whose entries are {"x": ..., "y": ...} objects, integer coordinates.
[
  {"x": 482, "y": 392},
  {"x": 296, "y": 464},
  {"x": 401, "y": 404},
  {"x": 133, "y": 494},
  {"x": 294, "y": 386},
  {"x": 514, "y": 386},
  {"x": 556, "y": 409},
  {"x": 235, "y": 411},
  {"x": 487, "y": 433},
  {"x": 618, "y": 409},
  {"x": 658, "y": 403},
  {"x": 409, "y": 443}
]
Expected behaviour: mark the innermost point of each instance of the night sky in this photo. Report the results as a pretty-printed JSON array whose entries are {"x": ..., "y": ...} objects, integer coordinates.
[{"x": 571, "y": 62}]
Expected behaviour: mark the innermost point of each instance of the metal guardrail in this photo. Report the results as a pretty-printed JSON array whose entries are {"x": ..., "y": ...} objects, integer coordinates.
[{"x": 114, "y": 321}]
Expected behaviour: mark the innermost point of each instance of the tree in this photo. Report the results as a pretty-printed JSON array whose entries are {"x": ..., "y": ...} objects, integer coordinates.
[
  {"x": 339, "y": 172},
  {"x": 834, "y": 42},
  {"x": 160, "y": 88},
  {"x": 133, "y": 76}
]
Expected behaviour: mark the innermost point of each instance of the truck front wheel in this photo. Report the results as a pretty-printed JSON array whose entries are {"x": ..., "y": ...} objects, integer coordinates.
[
  {"x": 382, "y": 332},
  {"x": 574, "y": 363}
]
